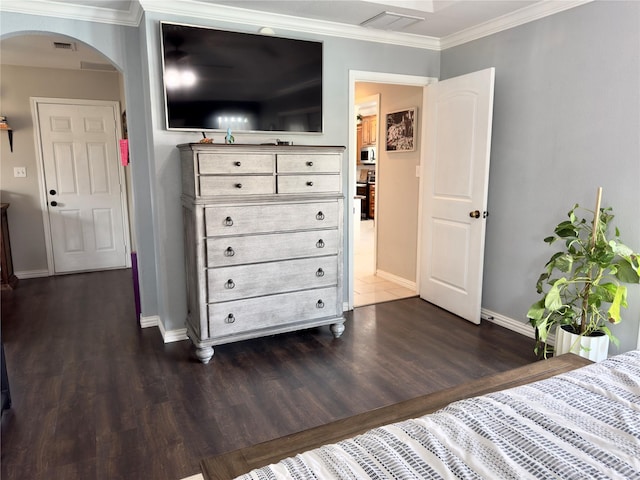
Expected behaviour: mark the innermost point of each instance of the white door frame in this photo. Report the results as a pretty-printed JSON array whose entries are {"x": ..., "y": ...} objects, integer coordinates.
[
  {"x": 373, "y": 77},
  {"x": 369, "y": 99},
  {"x": 35, "y": 101}
]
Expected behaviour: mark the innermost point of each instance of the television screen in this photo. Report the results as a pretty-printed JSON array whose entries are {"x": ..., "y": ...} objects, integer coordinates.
[{"x": 214, "y": 80}]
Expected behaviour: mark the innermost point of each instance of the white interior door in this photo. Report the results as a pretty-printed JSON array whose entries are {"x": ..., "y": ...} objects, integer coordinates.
[
  {"x": 457, "y": 139},
  {"x": 84, "y": 185}
]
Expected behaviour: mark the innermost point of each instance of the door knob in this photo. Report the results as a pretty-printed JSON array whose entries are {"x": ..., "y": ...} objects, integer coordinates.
[
  {"x": 54, "y": 204},
  {"x": 475, "y": 214},
  {"x": 52, "y": 192}
]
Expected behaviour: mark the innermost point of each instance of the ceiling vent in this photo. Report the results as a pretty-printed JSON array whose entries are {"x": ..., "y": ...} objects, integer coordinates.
[
  {"x": 103, "y": 67},
  {"x": 71, "y": 46},
  {"x": 391, "y": 21}
]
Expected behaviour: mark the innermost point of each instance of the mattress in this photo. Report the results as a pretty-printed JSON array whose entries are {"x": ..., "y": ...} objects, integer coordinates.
[{"x": 583, "y": 424}]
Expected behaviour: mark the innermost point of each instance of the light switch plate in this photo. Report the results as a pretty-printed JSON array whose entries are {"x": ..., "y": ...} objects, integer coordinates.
[{"x": 19, "y": 172}]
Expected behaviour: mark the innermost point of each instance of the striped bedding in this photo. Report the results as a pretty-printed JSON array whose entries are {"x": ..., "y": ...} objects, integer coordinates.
[{"x": 582, "y": 424}]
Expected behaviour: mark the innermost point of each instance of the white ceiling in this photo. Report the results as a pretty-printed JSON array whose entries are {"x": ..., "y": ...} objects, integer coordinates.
[{"x": 446, "y": 22}]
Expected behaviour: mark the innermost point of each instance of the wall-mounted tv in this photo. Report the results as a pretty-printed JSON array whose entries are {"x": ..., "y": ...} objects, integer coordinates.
[{"x": 215, "y": 79}]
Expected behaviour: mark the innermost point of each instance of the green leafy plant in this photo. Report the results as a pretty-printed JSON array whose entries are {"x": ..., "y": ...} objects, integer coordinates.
[{"x": 583, "y": 285}]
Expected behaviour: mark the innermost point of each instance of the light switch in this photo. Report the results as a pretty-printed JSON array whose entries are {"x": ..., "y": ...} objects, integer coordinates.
[
  {"x": 19, "y": 172},
  {"x": 418, "y": 171}
]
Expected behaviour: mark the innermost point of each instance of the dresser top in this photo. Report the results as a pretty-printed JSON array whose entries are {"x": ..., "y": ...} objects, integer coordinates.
[{"x": 246, "y": 147}]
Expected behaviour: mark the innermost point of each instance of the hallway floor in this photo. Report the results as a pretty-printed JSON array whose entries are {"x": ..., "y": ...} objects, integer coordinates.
[{"x": 368, "y": 287}]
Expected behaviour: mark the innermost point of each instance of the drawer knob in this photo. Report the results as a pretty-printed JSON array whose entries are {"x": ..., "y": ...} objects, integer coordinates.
[
  {"x": 320, "y": 273},
  {"x": 238, "y": 185},
  {"x": 228, "y": 221},
  {"x": 320, "y": 243},
  {"x": 309, "y": 164},
  {"x": 230, "y": 318},
  {"x": 319, "y": 216},
  {"x": 309, "y": 184},
  {"x": 229, "y": 252},
  {"x": 320, "y": 304},
  {"x": 237, "y": 164},
  {"x": 229, "y": 285}
]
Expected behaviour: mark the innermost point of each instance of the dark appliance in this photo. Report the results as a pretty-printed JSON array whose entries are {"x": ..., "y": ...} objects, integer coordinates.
[
  {"x": 215, "y": 80},
  {"x": 368, "y": 155}
]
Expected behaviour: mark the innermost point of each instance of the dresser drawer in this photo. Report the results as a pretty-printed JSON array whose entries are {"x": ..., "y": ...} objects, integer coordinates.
[
  {"x": 246, "y": 315},
  {"x": 271, "y": 218},
  {"x": 308, "y": 183},
  {"x": 222, "y": 251},
  {"x": 232, "y": 283},
  {"x": 237, "y": 164},
  {"x": 236, "y": 185},
  {"x": 309, "y": 163}
]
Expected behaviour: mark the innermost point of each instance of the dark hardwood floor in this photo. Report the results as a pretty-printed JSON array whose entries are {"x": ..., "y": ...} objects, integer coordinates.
[{"x": 96, "y": 397}]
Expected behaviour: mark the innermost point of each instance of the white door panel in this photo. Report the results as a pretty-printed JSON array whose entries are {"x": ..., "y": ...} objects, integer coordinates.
[
  {"x": 456, "y": 172},
  {"x": 83, "y": 186}
]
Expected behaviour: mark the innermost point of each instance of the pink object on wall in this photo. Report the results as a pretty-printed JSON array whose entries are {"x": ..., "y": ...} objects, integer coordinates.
[{"x": 124, "y": 152}]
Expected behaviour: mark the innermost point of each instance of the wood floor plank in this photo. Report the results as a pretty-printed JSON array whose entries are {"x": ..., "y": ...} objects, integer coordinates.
[
  {"x": 228, "y": 466},
  {"x": 128, "y": 406}
]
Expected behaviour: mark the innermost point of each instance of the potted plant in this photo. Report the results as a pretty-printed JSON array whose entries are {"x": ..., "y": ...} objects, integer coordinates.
[{"x": 583, "y": 286}]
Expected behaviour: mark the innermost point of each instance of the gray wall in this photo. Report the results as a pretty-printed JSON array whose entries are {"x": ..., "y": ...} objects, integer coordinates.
[
  {"x": 154, "y": 158},
  {"x": 566, "y": 120},
  {"x": 340, "y": 56}
]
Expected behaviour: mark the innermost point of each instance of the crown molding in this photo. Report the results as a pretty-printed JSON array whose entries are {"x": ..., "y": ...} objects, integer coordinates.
[
  {"x": 130, "y": 18},
  {"x": 510, "y": 20},
  {"x": 199, "y": 9},
  {"x": 204, "y": 10}
]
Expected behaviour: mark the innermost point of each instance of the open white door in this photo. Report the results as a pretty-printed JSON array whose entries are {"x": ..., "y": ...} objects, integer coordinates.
[{"x": 455, "y": 173}]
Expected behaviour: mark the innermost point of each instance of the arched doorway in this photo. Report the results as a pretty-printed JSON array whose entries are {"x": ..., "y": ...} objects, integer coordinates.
[{"x": 53, "y": 66}]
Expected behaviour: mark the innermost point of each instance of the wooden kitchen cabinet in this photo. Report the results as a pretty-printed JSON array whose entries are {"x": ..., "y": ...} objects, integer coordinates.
[
  {"x": 372, "y": 200},
  {"x": 263, "y": 229},
  {"x": 369, "y": 130},
  {"x": 358, "y": 143}
]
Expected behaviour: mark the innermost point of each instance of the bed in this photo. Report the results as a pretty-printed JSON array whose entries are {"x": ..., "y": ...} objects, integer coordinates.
[{"x": 560, "y": 418}]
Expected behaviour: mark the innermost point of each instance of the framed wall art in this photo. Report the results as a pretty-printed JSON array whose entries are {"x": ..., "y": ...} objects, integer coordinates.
[{"x": 400, "y": 128}]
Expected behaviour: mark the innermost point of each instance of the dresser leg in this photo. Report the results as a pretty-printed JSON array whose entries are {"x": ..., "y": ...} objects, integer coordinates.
[
  {"x": 337, "y": 329},
  {"x": 204, "y": 354}
]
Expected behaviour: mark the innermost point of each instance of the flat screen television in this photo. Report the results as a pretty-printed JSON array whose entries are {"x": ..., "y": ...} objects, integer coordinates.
[{"x": 215, "y": 79}]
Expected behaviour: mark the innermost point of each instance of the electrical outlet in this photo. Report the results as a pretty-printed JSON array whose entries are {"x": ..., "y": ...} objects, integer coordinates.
[{"x": 19, "y": 172}]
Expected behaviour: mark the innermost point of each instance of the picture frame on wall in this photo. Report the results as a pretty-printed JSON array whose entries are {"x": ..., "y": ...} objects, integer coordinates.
[{"x": 400, "y": 128}]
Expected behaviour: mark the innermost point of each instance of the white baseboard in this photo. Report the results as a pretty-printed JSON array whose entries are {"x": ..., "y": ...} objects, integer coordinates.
[
  {"x": 403, "y": 282},
  {"x": 150, "y": 321},
  {"x": 197, "y": 476},
  {"x": 171, "y": 336},
  {"x": 168, "y": 336},
  {"x": 523, "y": 328},
  {"x": 32, "y": 274}
]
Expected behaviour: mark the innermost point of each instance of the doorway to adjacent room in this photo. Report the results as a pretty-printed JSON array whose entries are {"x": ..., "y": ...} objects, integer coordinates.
[{"x": 385, "y": 201}]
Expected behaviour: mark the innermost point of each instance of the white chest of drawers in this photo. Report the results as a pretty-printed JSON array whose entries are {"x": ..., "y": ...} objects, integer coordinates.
[{"x": 263, "y": 240}]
